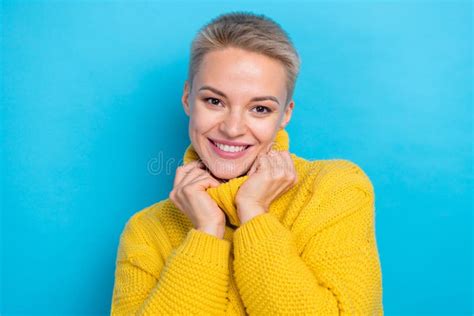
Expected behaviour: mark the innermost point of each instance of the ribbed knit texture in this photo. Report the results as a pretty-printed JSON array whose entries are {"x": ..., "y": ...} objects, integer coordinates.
[{"x": 313, "y": 253}]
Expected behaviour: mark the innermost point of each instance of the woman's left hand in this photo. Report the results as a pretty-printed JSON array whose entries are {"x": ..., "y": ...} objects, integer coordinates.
[{"x": 271, "y": 175}]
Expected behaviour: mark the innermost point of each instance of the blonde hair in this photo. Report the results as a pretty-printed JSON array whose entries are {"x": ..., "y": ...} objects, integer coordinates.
[{"x": 251, "y": 32}]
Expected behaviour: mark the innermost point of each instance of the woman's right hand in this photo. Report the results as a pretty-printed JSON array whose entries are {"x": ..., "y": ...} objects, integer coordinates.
[{"x": 190, "y": 196}]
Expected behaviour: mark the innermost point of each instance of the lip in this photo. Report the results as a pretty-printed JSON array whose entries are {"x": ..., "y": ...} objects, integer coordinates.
[
  {"x": 228, "y": 155},
  {"x": 229, "y": 143}
]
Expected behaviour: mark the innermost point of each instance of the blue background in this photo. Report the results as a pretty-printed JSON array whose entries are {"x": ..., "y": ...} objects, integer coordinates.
[{"x": 90, "y": 101}]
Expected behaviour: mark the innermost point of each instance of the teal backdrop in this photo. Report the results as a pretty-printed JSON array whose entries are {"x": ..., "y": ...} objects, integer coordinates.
[{"x": 92, "y": 130}]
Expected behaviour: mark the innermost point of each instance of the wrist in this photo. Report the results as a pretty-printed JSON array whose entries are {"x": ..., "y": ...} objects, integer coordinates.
[
  {"x": 250, "y": 207},
  {"x": 215, "y": 230},
  {"x": 248, "y": 211}
]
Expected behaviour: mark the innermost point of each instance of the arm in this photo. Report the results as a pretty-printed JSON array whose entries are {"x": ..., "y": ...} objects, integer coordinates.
[
  {"x": 338, "y": 271},
  {"x": 192, "y": 279}
]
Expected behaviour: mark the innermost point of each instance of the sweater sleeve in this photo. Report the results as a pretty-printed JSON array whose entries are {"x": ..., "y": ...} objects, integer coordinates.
[
  {"x": 193, "y": 279},
  {"x": 337, "y": 273}
]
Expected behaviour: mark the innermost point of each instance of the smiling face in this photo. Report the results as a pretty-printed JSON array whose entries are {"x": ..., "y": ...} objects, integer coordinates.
[{"x": 237, "y": 98}]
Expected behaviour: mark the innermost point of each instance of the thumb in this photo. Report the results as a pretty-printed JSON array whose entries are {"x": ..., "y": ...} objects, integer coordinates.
[
  {"x": 269, "y": 147},
  {"x": 255, "y": 164},
  {"x": 252, "y": 169}
]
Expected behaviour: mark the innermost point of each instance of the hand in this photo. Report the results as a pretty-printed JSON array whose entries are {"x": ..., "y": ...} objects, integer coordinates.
[
  {"x": 190, "y": 196},
  {"x": 270, "y": 176}
]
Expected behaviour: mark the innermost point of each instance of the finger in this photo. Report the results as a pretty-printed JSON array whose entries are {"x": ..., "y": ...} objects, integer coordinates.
[
  {"x": 255, "y": 164},
  {"x": 263, "y": 163},
  {"x": 205, "y": 181},
  {"x": 200, "y": 171},
  {"x": 258, "y": 162},
  {"x": 291, "y": 166},
  {"x": 194, "y": 174},
  {"x": 253, "y": 167},
  {"x": 190, "y": 173},
  {"x": 270, "y": 147},
  {"x": 287, "y": 156},
  {"x": 278, "y": 162},
  {"x": 284, "y": 162},
  {"x": 181, "y": 172},
  {"x": 275, "y": 163}
]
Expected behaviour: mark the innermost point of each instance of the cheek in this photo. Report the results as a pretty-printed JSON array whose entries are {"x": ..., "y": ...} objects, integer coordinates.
[
  {"x": 200, "y": 122},
  {"x": 264, "y": 131}
]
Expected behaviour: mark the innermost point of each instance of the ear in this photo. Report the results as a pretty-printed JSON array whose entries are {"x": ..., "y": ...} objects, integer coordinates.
[
  {"x": 287, "y": 115},
  {"x": 185, "y": 98}
]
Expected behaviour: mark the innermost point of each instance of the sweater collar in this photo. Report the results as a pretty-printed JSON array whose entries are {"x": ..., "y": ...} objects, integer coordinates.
[{"x": 224, "y": 194}]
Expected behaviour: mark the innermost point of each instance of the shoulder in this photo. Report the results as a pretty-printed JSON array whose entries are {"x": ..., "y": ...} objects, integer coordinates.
[
  {"x": 331, "y": 174},
  {"x": 137, "y": 219},
  {"x": 144, "y": 237},
  {"x": 143, "y": 241},
  {"x": 331, "y": 190},
  {"x": 160, "y": 224},
  {"x": 137, "y": 228},
  {"x": 337, "y": 175}
]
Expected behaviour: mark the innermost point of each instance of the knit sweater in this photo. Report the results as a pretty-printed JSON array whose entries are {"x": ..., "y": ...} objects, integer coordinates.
[{"x": 314, "y": 251}]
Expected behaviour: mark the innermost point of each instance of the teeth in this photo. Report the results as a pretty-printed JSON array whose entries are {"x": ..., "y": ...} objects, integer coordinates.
[{"x": 231, "y": 149}]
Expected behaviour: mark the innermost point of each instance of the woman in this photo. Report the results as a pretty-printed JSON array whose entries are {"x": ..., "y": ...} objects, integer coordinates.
[{"x": 248, "y": 227}]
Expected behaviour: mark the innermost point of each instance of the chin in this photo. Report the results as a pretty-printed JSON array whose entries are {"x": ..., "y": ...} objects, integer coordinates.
[{"x": 226, "y": 176}]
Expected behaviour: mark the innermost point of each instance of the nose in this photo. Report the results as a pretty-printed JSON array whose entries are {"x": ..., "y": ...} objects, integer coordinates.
[{"x": 233, "y": 124}]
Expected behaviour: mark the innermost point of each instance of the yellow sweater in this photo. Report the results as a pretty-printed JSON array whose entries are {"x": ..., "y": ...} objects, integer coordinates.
[{"x": 313, "y": 253}]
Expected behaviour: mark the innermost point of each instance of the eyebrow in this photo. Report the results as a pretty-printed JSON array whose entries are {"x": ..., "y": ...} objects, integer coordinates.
[{"x": 222, "y": 94}]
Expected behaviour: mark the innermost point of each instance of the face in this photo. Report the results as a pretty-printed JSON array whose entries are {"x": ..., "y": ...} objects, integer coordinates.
[{"x": 235, "y": 107}]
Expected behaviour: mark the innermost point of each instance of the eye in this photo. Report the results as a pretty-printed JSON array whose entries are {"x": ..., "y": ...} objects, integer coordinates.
[
  {"x": 263, "y": 109},
  {"x": 214, "y": 101}
]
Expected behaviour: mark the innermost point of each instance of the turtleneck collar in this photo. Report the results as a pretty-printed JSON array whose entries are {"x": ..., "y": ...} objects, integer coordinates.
[{"x": 224, "y": 194}]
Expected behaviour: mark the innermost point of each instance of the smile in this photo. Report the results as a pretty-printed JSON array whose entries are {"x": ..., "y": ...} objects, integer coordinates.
[{"x": 229, "y": 152}]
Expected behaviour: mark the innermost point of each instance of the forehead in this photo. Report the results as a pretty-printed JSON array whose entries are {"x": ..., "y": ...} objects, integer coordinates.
[{"x": 237, "y": 72}]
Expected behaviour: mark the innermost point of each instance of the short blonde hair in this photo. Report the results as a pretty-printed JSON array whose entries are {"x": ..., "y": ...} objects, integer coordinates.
[{"x": 251, "y": 32}]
